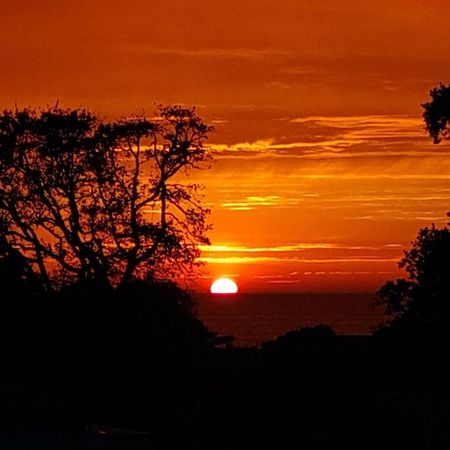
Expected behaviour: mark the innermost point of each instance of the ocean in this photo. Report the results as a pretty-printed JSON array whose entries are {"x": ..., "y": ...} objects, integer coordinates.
[{"x": 255, "y": 318}]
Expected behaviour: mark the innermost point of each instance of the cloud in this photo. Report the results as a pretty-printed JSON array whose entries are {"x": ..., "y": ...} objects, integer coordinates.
[
  {"x": 282, "y": 248},
  {"x": 277, "y": 259},
  {"x": 214, "y": 52},
  {"x": 378, "y": 120},
  {"x": 335, "y": 255},
  {"x": 380, "y": 202},
  {"x": 325, "y": 137},
  {"x": 252, "y": 202},
  {"x": 284, "y": 281},
  {"x": 271, "y": 145}
]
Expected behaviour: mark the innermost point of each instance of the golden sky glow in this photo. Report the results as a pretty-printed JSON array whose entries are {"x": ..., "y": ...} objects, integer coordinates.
[{"x": 322, "y": 172}]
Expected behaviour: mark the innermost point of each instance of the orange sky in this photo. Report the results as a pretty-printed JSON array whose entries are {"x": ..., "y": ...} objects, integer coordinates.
[{"x": 323, "y": 172}]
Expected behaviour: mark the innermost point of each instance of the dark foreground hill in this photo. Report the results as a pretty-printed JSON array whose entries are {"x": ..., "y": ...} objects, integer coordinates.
[{"x": 87, "y": 364}]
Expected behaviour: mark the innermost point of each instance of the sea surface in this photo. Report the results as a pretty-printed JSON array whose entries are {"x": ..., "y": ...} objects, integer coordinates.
[{"x": 255, "y": 318}]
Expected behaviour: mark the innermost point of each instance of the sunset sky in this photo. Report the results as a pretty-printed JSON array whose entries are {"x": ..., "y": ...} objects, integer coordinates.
[{"x": 322, "y": 172}]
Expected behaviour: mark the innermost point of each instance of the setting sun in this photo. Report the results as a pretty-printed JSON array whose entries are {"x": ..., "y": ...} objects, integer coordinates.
[{"x": 224, "y": 286}]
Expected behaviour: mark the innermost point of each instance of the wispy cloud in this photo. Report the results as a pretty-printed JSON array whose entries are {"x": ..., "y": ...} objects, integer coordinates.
[
  {"x": 296, "y": 259},
  {"x": 324, "y": 253},
  {"x": 252, "y": 202},
  {"x": 373, "y": 127},
  {"x": 282, "y": 248},
  {"x": 271, "y": 145},
  {"x": 321, "y": 137},
  {"x": 214, "y": 52},
  {"x": 284, "y": 281}
]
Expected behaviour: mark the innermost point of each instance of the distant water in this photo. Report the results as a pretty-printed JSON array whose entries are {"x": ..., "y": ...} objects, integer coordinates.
[{"x": 255, "y": 318}]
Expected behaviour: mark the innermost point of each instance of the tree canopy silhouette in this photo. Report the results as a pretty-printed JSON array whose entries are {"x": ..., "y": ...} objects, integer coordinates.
[
  {"x": 422, "y": 298},
  {"x": 437, "y": 113},
  {"x": 82, "y": 199}
]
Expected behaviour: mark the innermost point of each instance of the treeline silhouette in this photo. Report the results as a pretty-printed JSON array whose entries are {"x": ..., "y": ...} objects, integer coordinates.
[
  {"x": 80, "y": 350},
  {"x": 90, "y": 355},
  {"x": 136, "y": 358}
]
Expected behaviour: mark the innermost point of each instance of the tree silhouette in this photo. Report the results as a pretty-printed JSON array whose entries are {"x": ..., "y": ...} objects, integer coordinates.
[
  {"x": 437, "y": 113},
  {"x": 423, "y": 298},
  {"x": 82, "y": 199}
]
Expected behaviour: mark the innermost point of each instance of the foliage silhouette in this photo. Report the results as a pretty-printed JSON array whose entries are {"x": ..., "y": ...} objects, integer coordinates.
[
  {"x": 423, "y": 298},
  {"x": 90, "y": 353},
  {"x": 82, "y": 199},
  {"x": 437, "y": 113}
]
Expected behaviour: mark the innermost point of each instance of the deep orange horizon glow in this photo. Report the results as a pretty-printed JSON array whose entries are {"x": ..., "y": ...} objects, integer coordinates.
[{"x": 322, "y": 169}]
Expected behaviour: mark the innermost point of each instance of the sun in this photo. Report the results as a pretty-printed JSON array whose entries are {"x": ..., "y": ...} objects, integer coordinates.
[{"x": 224, "y": 286}]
